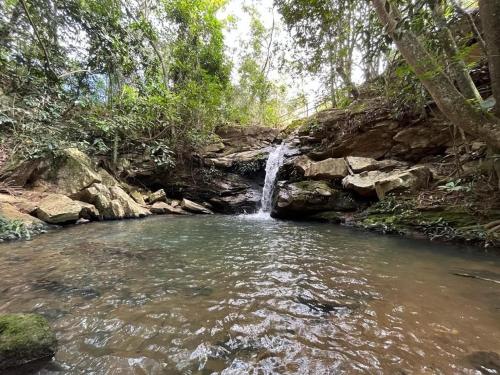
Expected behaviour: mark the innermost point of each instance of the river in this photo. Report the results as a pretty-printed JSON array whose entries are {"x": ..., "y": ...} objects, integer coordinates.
[{"x": 238, "y": 295}]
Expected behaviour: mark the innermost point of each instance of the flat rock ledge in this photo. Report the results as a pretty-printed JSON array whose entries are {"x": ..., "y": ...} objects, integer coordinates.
[{"x": 25, "y": 338}]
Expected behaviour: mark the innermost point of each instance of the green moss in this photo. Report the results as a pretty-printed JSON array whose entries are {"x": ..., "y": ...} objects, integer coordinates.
[{"x": 25, "y": 338}]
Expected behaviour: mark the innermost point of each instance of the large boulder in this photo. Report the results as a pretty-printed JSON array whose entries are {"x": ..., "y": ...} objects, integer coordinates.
[
  {"x": 195, "y": 208},
  {"x": 59, "y": 209},
  {"x": 378, "y": 184},
  {"x": 71, "y": 172},
  {"x": 302, "y": 167},
  {"x": 112, "y": 202},
  {"x": 25, "y": 338},
  {"x": 303, "y": 198}
]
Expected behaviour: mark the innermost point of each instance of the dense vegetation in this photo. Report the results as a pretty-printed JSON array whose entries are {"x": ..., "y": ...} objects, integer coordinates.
[
  {"x": 110, "y": 76},
  {"x": 115, "y": 75}
]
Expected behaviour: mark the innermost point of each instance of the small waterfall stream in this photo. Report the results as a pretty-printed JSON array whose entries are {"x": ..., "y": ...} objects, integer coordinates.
[{"x": 274, "y": 162}]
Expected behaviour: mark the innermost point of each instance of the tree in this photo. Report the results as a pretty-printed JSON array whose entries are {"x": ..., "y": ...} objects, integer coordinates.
[
  {"x": 457, "y": 108},
  {"x": 490, "y": 19}
]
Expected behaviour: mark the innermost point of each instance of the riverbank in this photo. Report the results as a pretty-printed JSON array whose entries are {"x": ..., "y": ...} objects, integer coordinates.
[{"x": 418, "y": 185}]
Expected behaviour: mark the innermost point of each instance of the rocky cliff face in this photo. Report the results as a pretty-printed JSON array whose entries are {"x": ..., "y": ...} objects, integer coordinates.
[
  {"x": 228, "y": 174},
  {"x": 367, "y": 165}
]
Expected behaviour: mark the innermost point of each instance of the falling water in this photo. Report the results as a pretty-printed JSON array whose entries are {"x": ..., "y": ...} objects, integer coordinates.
[{"x": 274, "y": 162}]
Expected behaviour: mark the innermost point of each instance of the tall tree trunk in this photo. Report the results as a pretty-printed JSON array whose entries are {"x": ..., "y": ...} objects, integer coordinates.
[
  {"x": 450, "y": 101},
  {"x": 456, "y": 64},
  {"x": 489, "y": 11}
]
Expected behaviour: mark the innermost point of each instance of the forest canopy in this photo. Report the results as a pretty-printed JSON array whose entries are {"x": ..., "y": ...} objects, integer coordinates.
[{"x": 156, "y": 76}]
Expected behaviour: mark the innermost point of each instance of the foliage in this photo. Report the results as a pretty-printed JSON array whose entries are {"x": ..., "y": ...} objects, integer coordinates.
[
  {"x": 112, "y": 76},
  {"x": 13, "y": 229}
]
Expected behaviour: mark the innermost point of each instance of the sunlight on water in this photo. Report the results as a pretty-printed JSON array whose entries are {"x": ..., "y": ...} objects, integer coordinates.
[{"x": 240, "y": 295}]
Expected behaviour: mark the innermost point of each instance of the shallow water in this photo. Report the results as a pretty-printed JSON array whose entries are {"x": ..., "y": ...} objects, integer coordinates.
[{"x": 238, "y": 295}]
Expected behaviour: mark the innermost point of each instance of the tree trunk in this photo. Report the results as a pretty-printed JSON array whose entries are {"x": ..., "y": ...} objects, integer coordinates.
[
  {"x": 456, "y": 64},
  {"x": 489, "y": 11},
  {"x": 449, "y": 100}
]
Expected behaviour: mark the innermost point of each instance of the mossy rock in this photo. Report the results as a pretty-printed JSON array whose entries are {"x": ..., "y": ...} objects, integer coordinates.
[{"x": 25, "y": 338}]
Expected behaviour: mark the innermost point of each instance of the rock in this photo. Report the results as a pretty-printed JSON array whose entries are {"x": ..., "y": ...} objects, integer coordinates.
[
  {"x": 72, "y": 172},
  {"x": 22, "y": 204},
  {"x": 88, "y": 211},
  {"x": 485, "y": 362},
  {"x": 308, "y": 197},
  {"x": 138, "y": 198},
  {"x": 302, "y": 167},
  {"x": 162, "y": 208},
  {"x": 360, "y": 164},
  {"x": 244, "y": 163},
  {"x": 59, "y": 209},
  {"x": 412, "y": 179},
  {"x": 333, "y": 217},
  {"x": 112, "y": 202},
  {"x": 195, "y": 208},
  {"x": 376, "y": 183},
  {"x": 157, "y": 196},
  {"x": 11, "y": 213},
  {"x": 213, "y": 148},
  {"x": 25, "y": 338}
]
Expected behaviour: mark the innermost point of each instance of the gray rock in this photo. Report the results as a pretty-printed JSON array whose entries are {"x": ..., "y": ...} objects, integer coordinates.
[
  {"x": 195, "y": 208},
  {"x": 304, "y": 198},
  {"x": 162, "y": 208},
  {"x": 157, "y": 196}
]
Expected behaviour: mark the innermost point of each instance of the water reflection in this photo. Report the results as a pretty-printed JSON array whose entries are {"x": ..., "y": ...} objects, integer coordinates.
[{"x": 233, "y": 295}]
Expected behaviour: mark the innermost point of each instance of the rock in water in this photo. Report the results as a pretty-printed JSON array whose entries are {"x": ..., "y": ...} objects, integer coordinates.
[
  {"x": 59, "y": 209},
  {"x": 309, "y": 197},
  {"x": 25, "y": 338},
  {"x": 195, "y": 207},
  {"x": 112, "y": 202},
  {"x": 162, "y": 208}
]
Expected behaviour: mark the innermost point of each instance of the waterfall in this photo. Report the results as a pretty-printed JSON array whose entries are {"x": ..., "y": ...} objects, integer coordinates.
[{"x": 274, "y": 162}]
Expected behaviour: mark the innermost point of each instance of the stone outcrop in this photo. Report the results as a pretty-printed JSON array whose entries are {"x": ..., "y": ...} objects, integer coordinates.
[
  {"x": 112, "y": 202},
  {"x": 360, "y": 164},
  {"x": 373, "y": 128},
  {"x": 59, "y": 209},
  {"x": 378, "y": 184},
  {"x": 195, "y": 208},
  {"x": 299, "y": 199},
  {"x": 328, "y": 169},
  {"x": 25, "y": 338}
]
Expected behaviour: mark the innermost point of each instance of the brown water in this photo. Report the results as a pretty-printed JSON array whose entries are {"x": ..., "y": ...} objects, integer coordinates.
[{"x": 233, "y": 295}]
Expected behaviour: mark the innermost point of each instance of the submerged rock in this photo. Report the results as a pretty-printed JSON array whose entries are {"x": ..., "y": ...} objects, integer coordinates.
[
  {"x": 25, "y": 338},
  {"x": 308, "y": 197},
  {"x": 195, "y": 207},
  {"x": 485, "y": 362}
]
